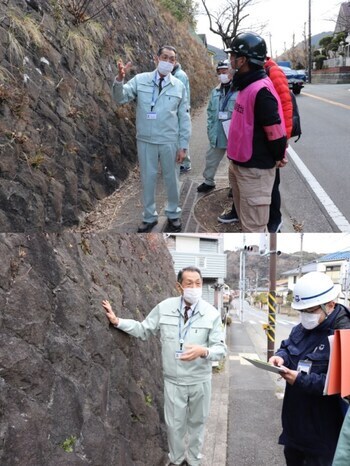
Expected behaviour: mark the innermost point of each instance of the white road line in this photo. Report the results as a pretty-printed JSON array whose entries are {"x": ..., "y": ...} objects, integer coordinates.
[
  {"x": 332, "y": 210},
  {"x": 284, "y": 322}
]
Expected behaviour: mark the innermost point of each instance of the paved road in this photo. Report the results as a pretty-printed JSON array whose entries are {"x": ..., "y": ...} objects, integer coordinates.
[
  {"x": 325, "y": 145},
  {"x": 254, "y": 417}
]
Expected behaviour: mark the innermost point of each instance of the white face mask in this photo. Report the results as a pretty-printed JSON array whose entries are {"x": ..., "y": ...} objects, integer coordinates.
[
  {"x": 309, "y": 321},
  {"x": 224, "y": 78},
  {"x": 192, "y": 295},
  {"x": 165, "y": 67}
]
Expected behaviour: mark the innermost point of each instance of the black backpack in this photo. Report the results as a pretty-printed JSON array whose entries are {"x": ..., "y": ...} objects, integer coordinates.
[{"x": 296, "y": 129}]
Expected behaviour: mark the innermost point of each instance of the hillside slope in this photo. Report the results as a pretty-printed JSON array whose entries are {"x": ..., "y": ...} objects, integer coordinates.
[{"x": 64, "y": 144}]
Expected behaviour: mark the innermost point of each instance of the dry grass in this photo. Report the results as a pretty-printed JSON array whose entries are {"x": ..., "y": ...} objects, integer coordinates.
[
  {"x": 36, "y": 160},
  {"x": 25, "y": 27},
  {"x": 5, "y": 75},
  {"x": 16, "y": 51},
  {"x": 82, "y": 46},
  {"x": 96, "y": 31}
]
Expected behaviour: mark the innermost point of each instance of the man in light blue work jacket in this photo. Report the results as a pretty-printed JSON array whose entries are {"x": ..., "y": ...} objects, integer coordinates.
[
  {"x": 163, "y": 129},
  {"x": 179, "y": 73},
  {"x": 219, "y": 110},
  {"x": 191, "y": 335}
]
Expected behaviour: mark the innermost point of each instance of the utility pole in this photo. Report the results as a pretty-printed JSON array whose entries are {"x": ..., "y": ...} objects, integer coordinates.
[
  {"x": 241, "y": 283},
  {"x": 310, "y": 50},
  {"x": 301, "y": 255},
  {"x": 270, "y": 35},
  {"x": 271, "y": 327}
]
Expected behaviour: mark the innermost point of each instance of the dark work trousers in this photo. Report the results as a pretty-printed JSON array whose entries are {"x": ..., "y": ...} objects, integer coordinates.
[
  {"x": 300, "y": 458},
  {"x": 275, "y": 206}
]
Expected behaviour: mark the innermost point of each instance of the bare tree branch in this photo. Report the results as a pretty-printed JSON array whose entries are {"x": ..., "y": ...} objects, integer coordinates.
[{"x": 227, "y": 23}]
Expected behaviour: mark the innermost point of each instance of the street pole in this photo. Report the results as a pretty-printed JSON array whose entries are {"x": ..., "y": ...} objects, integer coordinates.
[
  {"x": 241, "y": 283},
  {"x": 301, "y": 255},
  {"x": 310, "y": 57},
  {"x": 270, "y": 330}
]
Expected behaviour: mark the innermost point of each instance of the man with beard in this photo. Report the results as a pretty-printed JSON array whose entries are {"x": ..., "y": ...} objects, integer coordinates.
[{"x": 257, "y": 137}]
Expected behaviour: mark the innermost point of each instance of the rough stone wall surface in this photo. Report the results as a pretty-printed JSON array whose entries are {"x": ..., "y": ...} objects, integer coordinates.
[
  {"x": 64, "y": 144},
  {"x": 64, "y": 372}
]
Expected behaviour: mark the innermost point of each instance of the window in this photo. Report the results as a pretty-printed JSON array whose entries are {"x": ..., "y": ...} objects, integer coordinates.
[
  {"x": 333, "y": 271},
  {"x": 201, "y": 262}
]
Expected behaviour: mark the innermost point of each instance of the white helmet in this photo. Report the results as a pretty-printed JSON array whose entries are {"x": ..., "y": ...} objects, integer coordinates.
[{"x": 313, "y": 289}]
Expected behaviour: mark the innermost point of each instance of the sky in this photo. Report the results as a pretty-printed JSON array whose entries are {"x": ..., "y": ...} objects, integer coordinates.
[
  {"x": 291, "y": 242},
  {"x": 283, "y": 18}
]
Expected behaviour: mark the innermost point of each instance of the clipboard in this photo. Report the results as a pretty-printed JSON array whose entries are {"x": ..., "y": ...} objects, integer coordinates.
[
  {"x": 265, "y": 365},
  {"x": 338, "y": 374}
]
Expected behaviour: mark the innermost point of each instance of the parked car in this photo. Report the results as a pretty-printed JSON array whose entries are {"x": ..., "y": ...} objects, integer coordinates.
[
  {"x": 302, "y": 75},
  {"x": 296, "y": 83}
]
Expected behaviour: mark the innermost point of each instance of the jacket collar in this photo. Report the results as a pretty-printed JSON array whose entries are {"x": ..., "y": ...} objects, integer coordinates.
[
  {"x": 154, "y": 74},
  {"x": 241, "y": 81},
  {"x": 199, "y": 307}
]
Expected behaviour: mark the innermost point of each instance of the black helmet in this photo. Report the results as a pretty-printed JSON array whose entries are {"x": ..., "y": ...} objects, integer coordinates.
[{"x": 250, "y": 45}]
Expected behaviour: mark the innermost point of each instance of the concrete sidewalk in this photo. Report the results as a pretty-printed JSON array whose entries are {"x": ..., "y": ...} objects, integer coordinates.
[
  {"x": 244, "y": 422},
  {"x": 299, "y": 207}
]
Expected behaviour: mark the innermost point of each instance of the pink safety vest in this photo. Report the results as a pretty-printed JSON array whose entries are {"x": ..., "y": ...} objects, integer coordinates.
[{"x": 241, "y": 132}]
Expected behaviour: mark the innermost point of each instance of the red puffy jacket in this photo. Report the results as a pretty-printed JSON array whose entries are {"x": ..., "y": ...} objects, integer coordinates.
[{"x": 281, "y": 85}]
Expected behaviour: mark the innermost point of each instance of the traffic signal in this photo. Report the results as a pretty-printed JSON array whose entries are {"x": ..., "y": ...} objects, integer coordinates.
[{"x": 248, "y": 248}]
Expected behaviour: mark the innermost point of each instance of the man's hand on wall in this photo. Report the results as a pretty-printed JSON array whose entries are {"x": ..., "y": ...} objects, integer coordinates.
[{"x": 109, "y": 312}]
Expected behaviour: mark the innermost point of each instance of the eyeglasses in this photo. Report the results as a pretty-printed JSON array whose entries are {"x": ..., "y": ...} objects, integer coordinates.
[{"x": 310, "y": 310}]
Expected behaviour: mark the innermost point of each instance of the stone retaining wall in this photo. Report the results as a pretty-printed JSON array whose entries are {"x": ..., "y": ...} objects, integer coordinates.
[{"x": 335, "y": 75}]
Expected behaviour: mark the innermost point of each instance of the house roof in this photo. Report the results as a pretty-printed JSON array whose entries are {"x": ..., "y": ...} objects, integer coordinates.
[
  {"x": 311, "y": 267},
  {"x": 219, "y": 54},
  {"x": 343, "y": 21},
  {"x": 199, "y": 235},
  {"x": 335, "y": 256}
]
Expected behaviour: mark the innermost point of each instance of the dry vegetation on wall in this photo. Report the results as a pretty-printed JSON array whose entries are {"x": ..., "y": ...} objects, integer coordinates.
[{"x": 59, "y": 129}]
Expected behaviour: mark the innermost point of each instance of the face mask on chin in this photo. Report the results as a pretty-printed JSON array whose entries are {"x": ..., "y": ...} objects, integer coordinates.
[
  {"x": 192, "y": 295},
  {"x": 165, "y": 67},
  {"x": 309, "y": 321}
]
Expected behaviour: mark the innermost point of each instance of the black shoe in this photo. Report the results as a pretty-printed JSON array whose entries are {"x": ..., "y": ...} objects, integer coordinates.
[
  {"x": 230, "y": 217},
  {"x": 173, "y": 226},
  {"x": 205, "y": 188},
  {"x": 275, "y": 228},
  {"x": 184, "y": 169},
  {"x": 145, "y": 227}
]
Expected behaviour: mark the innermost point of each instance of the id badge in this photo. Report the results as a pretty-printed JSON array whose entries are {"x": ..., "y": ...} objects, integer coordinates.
[
  {"x": 223, "y": 115},
  {"x": 178, "y": 354},
  {"x": 151, "y": 116},
  {"x": 304, "y": 366}
]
